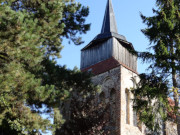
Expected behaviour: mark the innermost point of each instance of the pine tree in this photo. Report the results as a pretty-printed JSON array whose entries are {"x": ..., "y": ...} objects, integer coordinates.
[
  {"x": 78, "y": 100},
  {"x": 163, "y": 32},
  {"x": 31, "y": 32}
]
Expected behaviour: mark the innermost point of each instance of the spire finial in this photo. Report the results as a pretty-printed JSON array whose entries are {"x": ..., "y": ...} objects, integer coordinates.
[{"x": 109, "y": 23}]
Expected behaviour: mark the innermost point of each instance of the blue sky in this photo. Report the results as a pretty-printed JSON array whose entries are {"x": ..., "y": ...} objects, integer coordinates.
[{"x": 129, "y": 22}]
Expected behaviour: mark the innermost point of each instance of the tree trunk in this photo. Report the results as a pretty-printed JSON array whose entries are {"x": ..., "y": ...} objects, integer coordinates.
[
  {"x": 176, "y": 99},
  {"x": 175, "y": 86}
]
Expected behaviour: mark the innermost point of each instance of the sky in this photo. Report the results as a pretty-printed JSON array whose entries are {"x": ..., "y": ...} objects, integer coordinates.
[{"x": 129, "y": 23}]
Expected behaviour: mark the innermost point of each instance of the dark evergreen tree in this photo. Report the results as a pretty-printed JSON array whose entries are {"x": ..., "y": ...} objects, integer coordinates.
[
  {"x": 31, "y": 33},
  {"x": 151, "y": 102},
  {"x": 77, "y": 98},
  {"x": 163, "y": 32}
]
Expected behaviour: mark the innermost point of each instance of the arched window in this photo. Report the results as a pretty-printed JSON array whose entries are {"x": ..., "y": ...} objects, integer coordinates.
[
  {"x": 113, "y": 106},
  {"x": 127, "y": 94},
  {"x": 102, "y": 97},
  {"x": 135, "y": 123},
  {"x": 135, "y": 118}
]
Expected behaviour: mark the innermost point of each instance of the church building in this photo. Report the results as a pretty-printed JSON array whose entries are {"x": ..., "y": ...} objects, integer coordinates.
[{"x": 110, "y": 59}]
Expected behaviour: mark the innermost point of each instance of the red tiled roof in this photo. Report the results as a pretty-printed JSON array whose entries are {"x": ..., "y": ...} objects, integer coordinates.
[
  {"x": 171, "y": 113},
  {"x": 171, "y": 102},
  {"x": 104, "y": 66}
]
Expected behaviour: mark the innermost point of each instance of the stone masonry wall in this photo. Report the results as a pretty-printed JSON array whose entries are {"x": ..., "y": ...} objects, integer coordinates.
[
  {"x": 171, "y": 128},
  {"x": 108, "y": 81},
  {"x": 126, "y": 84},
  {"x": 119, "y": 79}
]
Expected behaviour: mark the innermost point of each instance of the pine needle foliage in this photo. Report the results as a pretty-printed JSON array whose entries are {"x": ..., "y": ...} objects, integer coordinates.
[
  {"x": 31, "y": 34},
  {"x": 163, "y": 32},
  {"x": 76, "y": 97},
  {"x": 150, "y": 101}
]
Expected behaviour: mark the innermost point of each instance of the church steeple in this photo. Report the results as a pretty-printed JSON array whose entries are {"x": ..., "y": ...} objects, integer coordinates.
[
  {"x": 109, "y": 23},
  {"x": 108, "y": 47}
]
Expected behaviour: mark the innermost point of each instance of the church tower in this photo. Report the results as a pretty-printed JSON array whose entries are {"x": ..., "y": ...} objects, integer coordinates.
[{"x": 108, "y": 56}]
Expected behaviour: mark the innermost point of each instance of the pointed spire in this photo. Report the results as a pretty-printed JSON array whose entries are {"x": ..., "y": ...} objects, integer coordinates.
[{"x": 109, "y": 23}]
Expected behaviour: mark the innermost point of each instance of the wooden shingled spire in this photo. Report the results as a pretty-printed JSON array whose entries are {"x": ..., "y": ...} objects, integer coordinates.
[{"x": 109, "y": 23}]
